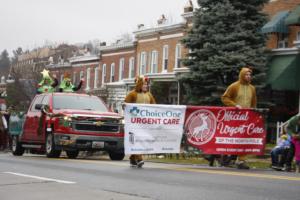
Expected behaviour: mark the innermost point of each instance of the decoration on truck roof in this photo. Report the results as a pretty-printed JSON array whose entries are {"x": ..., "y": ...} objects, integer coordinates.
[
  {"x": 67, "y": 86},
  {"x": 48, "y": 83}
]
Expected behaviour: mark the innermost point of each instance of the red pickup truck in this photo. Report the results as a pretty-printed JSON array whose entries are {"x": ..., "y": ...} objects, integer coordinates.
[{"x": 70, "y": 122}]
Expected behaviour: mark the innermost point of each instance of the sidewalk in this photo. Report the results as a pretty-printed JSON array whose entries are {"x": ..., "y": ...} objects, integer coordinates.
[{"x": 253, "y": 161}]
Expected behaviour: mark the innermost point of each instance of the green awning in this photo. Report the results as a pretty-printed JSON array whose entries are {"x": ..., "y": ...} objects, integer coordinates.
[
  {"x": 284, "y": 72},
  {"x": 276, "y": 25},
  {"x": 294, "y": 17}
]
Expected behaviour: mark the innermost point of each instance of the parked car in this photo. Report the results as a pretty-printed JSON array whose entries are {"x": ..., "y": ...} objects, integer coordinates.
[{"x": 70, "y": 122}]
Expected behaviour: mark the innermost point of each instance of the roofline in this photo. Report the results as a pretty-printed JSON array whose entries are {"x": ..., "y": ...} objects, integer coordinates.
[
  {"x": 162, "y": 29},
  {"x": 188, "y": 14},
  {"x": 83, "y": 58},
  {"x": 117, "y": 46},
  {"x": 59, "y": 65},
  {"x": 285, "y": 51}
]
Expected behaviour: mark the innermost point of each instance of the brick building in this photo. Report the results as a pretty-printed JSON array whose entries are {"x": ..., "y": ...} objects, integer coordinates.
[
  {"x": 118, "y": 69},
  {"x": 59, "y": 69},
  {"x": 156, "y": 52},
  {"x": 283, "y": 31},
  {"x": 159, "y": 53},
  {"x": 29, "y": 64},
  {"x": 85, "y": 67}
]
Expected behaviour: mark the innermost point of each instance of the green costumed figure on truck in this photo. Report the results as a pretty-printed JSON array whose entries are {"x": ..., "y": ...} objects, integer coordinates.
[
  {"x": 67, "y": 86},
  {"x": 47, "y": 84}
]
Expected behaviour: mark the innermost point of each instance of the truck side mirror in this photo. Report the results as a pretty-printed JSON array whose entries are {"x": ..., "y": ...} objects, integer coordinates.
[{"x": 38, "y": 106}]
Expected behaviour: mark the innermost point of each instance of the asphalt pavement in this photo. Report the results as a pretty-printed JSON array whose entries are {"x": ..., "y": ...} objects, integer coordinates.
[{"x": 37, "y": 177}]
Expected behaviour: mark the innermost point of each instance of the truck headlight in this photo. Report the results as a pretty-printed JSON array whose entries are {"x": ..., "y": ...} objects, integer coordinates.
[
  {"x": 65, "y": 121},
  {"x": 67, "y": 118}
]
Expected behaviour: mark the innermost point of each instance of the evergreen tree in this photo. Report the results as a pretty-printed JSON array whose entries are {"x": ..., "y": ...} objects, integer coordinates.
[
  {"x": 4, "y": 63},
  {"x": 17, "y": 53},
  {"x": 224, "y": 38}
]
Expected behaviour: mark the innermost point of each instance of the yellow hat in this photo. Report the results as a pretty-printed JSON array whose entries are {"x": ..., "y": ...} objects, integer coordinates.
[{"x": 284, "y": 137}]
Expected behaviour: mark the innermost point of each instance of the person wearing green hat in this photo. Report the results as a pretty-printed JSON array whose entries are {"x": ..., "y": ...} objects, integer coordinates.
[
  {"x": 67, "y": 86},
  {"x": 47, "y": 84}
]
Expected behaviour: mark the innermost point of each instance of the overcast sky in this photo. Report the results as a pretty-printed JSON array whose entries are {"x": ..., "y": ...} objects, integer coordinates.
[{"x": 29, "y": 23}]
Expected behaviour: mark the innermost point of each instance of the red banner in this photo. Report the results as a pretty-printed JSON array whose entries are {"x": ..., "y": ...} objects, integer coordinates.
[{"x": 225, "y": 130}]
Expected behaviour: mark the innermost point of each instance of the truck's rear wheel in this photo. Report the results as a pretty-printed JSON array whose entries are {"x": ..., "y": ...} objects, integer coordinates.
[
  {"x": 17, "y": 149},
  {"x": 116, "y": 156},
  {"x": 51, "y": 152},
  {"x": 72, "y": 154}
]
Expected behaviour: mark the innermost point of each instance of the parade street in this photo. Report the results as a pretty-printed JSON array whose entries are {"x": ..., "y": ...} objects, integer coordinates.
[{"x": 35, "y": 177}]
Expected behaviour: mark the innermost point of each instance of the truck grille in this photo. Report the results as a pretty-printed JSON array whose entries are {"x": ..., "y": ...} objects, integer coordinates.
[{"x": 94, "y": 128}]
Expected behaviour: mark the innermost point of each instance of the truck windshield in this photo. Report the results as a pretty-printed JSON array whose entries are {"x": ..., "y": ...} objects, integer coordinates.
[{"x": 78, "y": 103}]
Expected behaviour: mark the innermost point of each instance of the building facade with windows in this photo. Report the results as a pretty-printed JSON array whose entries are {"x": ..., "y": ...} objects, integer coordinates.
[
  {"x": 30, "y": 64},
  {"x": 85, "y": 68},
  {"x": 283, "y": 32},
  {"x": 117, "y": 72},
  {"x": 156, "y": 52},
  {"x": 159, "y": 54},
  {"x": 60, "y": 69}
]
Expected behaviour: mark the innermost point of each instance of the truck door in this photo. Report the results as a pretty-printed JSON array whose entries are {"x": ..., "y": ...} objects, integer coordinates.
[
  {"x": 40, "y": 131},
  {"x": 31, "y": 123}
]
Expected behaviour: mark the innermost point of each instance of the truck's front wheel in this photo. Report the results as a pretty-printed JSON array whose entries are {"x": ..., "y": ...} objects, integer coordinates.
[
  {"x": 17, "y": 148},
  {"x": 116, "y": 156},
  {"x": 51, "y": 152}
]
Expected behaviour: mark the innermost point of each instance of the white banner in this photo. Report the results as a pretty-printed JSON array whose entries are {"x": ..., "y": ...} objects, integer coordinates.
[{"x": 153, "y": 128}]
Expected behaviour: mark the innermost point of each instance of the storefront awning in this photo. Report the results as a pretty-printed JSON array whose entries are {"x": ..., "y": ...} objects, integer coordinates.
[
  {"x": 284, "y": 73},
  {"x": 276, "y": 25},
  {"x": 294, "y": 17}
]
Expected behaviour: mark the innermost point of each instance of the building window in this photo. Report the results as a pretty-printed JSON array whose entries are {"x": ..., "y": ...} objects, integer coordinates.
[
  {"x": 103, "y": 73},
  {"x": 149, "y": 63},
  {"x": 74, "y": 77},
  {"x": 131, "y": 67},
  {"x": 138, "y": 63},
  {"x": 177, "y": 55},
  {"x": 282, "y": 41},
  {"x": 112, "y": 72},
  {"x": 88, "y": 78},
  {"x": 165, "y": 58},
  {"x": 121, "y": 69},
  {"x": 96, "y": 77},
  {"x": 154, "y": 58},
  {"x": 298, "y": 36},
  {"x": 81, "y": 75},
  {"x": 143, "y": 62}
]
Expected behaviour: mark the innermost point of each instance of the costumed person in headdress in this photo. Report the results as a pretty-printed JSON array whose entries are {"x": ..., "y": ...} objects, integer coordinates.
[
  {"x": 140, "y": 95},
  {"x": 67, "y": 86},
  {"x": 47, "y": 84}
]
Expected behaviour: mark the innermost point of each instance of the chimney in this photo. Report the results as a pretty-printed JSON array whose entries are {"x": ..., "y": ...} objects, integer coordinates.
[
  {"x": 140, "y": 26},
  {"x": 161, "y": 20},
  {"x": 189, "y": 7}
]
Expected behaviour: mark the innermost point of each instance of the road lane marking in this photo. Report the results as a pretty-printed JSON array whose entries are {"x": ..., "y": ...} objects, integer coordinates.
[
  {"x": 41, "y": 178},
  {"x": 267, "y": 176}
]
